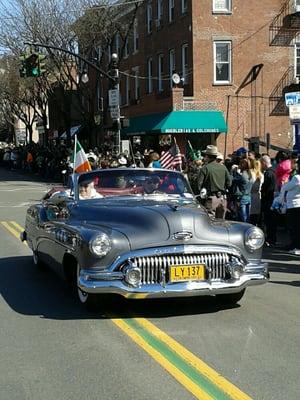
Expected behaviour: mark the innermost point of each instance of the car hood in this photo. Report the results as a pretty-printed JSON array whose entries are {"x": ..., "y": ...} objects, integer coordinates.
[{"x": 149, "y": 224}]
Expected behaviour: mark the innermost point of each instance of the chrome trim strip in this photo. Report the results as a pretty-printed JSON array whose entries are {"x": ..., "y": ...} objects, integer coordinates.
[{"x": 189, "y": 250}]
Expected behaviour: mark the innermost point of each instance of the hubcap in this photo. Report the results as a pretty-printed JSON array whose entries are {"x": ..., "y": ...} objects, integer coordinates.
[
  {"x": 83, "y": 296},
  {"x": 35, "y": 258}
]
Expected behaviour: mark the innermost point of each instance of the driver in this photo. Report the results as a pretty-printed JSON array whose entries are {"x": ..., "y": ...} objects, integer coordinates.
[
  {"x": 152, "y": 184},
  {"x": 87, "y": 190}
]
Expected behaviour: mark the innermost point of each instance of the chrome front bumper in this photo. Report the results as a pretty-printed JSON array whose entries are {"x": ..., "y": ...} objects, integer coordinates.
[{"x": 103, "y": 282}]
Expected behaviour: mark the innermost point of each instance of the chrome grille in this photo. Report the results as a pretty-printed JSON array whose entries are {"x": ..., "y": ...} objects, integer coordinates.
[{"x": 154, "y": 267}]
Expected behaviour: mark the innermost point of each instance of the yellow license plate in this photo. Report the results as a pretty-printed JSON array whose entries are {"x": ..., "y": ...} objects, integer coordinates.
[{"x": 187, "y": 272}]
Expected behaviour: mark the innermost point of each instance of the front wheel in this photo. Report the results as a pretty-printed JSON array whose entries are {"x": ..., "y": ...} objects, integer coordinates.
[
  {"x": 36, "y": 259},
  {"x": 231, "y": 298},
  {"x": 89, "y": 300}
]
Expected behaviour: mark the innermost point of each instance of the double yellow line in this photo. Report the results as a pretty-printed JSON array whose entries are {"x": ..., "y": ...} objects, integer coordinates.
[
  {"x": 14, "y": 228},
  {"x": 202, "y": 381},
  {"x": 190, "y": 371}
]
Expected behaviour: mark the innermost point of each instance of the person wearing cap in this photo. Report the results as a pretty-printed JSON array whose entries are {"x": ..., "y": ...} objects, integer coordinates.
[
  {"x": 220, "y": 158},
  {"x": 215, "y": 178},
  {"x": 87, "y": 190}
]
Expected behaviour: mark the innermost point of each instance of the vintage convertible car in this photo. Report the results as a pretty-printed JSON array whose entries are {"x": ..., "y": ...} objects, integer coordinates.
[{"x": 141, "y": 233}]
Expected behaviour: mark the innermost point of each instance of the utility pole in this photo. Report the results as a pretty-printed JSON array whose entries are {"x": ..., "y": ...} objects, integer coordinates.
[{"x": 114, "y": 99}]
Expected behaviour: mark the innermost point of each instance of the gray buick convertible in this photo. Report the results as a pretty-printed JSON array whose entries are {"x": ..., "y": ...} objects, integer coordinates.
[{"x": 140, "y": 233}]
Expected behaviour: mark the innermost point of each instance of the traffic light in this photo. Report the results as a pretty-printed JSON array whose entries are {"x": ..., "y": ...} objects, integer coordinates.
[{"x": 32, "y": 65}]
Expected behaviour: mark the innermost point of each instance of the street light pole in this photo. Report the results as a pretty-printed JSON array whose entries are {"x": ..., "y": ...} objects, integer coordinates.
[{"x": 114, "y": 98}]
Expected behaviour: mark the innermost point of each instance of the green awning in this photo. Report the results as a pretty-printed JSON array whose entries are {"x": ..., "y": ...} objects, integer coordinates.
[{"x": 177, "y": 122}]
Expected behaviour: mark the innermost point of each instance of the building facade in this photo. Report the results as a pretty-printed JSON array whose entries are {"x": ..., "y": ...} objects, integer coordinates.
[{"x": 223, "y": 52}]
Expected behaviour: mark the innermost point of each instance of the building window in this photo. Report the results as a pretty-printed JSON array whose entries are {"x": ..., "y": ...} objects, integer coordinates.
[
  {"x": 135, "y": 37},
  {"x": 150, "y": 75},
  {"x": 297, "y": 5},
  {"x": 172, "y": 66},
  {"x": 159, "y": 13},
  {"x": 149, "y": 18},
  {"x": 171, "y": 10},
  {"x": 136, "y": 83},
  {"x": 184, "y": 63},
  {"x": 184, "y": 6},
  {"x": 222, "y": 6},
  {"x": 297, "y": 59},
  {"x": 160, "y": 71},
  {"x": 222, "y": 62}
]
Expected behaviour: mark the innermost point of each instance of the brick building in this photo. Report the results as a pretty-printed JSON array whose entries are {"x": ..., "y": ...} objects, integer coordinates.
[{"x": 223, "y": 52}]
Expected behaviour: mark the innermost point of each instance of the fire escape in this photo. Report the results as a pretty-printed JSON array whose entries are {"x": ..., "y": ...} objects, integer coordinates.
[{"x": 283, "y": 30}]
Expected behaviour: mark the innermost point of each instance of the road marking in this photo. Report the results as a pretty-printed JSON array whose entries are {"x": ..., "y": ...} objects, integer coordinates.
[
  {"x": 8, "y": 226},
  {"x": 195, "y": 375},
  {"x": 20, "y": 205},
  {"x": 188, "y": 383},
  {"x": 198, "y": 364},
  {"x": 191, "y": 372}
]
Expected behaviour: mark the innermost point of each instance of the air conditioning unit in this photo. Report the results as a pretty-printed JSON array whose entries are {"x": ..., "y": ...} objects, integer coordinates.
[{"x": 157, "y": 23}]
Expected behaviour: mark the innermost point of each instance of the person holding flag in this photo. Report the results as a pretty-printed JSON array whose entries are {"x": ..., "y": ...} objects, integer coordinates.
[
  {"x": 172, "y": 159},
  {"x": 194, "y": 164}
]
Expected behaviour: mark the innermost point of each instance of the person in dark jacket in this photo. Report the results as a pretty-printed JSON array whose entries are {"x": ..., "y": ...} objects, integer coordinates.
[
  {"x": 215, "y": 178},
  {"x": 267, "y": 196},
  {"x": 243, "y": 181}
]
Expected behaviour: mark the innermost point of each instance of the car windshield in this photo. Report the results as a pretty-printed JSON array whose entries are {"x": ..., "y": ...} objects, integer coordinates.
[{"x": 132, "y": 182}]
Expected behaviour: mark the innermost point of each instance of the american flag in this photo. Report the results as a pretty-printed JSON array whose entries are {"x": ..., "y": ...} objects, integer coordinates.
[{"x": 172, "y": 159}]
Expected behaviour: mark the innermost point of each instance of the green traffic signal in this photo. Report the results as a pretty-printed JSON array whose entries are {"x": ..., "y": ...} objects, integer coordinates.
[{"x": 32, "y": 65}]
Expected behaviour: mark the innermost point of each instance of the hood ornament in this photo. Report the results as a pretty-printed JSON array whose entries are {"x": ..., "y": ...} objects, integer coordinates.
[{"x": 183, "y": 235}]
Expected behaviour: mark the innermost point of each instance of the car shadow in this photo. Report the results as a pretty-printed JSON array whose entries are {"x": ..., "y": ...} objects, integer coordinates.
[
  {"x": 289, "y": 283},
  {"x": 32, "y": 291}
]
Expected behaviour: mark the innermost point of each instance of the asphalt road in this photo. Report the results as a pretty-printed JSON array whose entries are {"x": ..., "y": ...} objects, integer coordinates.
[{"x": 51, "y": 348}]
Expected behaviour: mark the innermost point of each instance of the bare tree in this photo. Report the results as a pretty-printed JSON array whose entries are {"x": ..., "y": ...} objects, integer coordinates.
[{"x": 76, "y": 26}]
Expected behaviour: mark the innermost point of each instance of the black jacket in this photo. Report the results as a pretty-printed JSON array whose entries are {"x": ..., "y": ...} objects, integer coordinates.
[{"x": 268, "y": 188}]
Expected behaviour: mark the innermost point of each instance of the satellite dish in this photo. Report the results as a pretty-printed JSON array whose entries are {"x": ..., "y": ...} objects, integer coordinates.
[{"x": 176, "y": 79}]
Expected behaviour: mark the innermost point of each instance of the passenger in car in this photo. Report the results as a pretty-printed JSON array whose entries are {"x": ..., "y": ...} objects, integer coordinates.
[
  {"x": 151, "y": 185},
  {"x": 88, "y": 191}
]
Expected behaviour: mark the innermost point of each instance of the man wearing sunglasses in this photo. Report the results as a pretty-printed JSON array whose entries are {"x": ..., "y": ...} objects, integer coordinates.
[{"x": 151, "y": 185}]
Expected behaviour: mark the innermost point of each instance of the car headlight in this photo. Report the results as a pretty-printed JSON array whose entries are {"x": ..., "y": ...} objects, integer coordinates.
[
  {"x": 100, "y": 245},
  {"x": 254, "y": 238}
]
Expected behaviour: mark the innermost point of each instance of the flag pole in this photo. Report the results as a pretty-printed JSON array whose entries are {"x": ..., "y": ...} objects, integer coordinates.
[
  {"x": 74, "y": 155},
  {"x": 180, "y": 169}
]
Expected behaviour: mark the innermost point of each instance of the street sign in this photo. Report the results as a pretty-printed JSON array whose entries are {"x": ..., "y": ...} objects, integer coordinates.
[
  {"x": 113, "y": 97},
  {"x": 114, "y": 113},
  {"x": 294, "y": 111},
  {"x": 292, "y": 98}
]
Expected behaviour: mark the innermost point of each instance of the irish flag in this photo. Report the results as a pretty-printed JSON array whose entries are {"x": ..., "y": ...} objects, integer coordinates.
[{"x": 81, "y": 163}]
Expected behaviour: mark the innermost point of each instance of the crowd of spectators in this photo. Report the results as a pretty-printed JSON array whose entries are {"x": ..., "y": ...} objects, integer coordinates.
[{"x": 262, "y": 191}]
